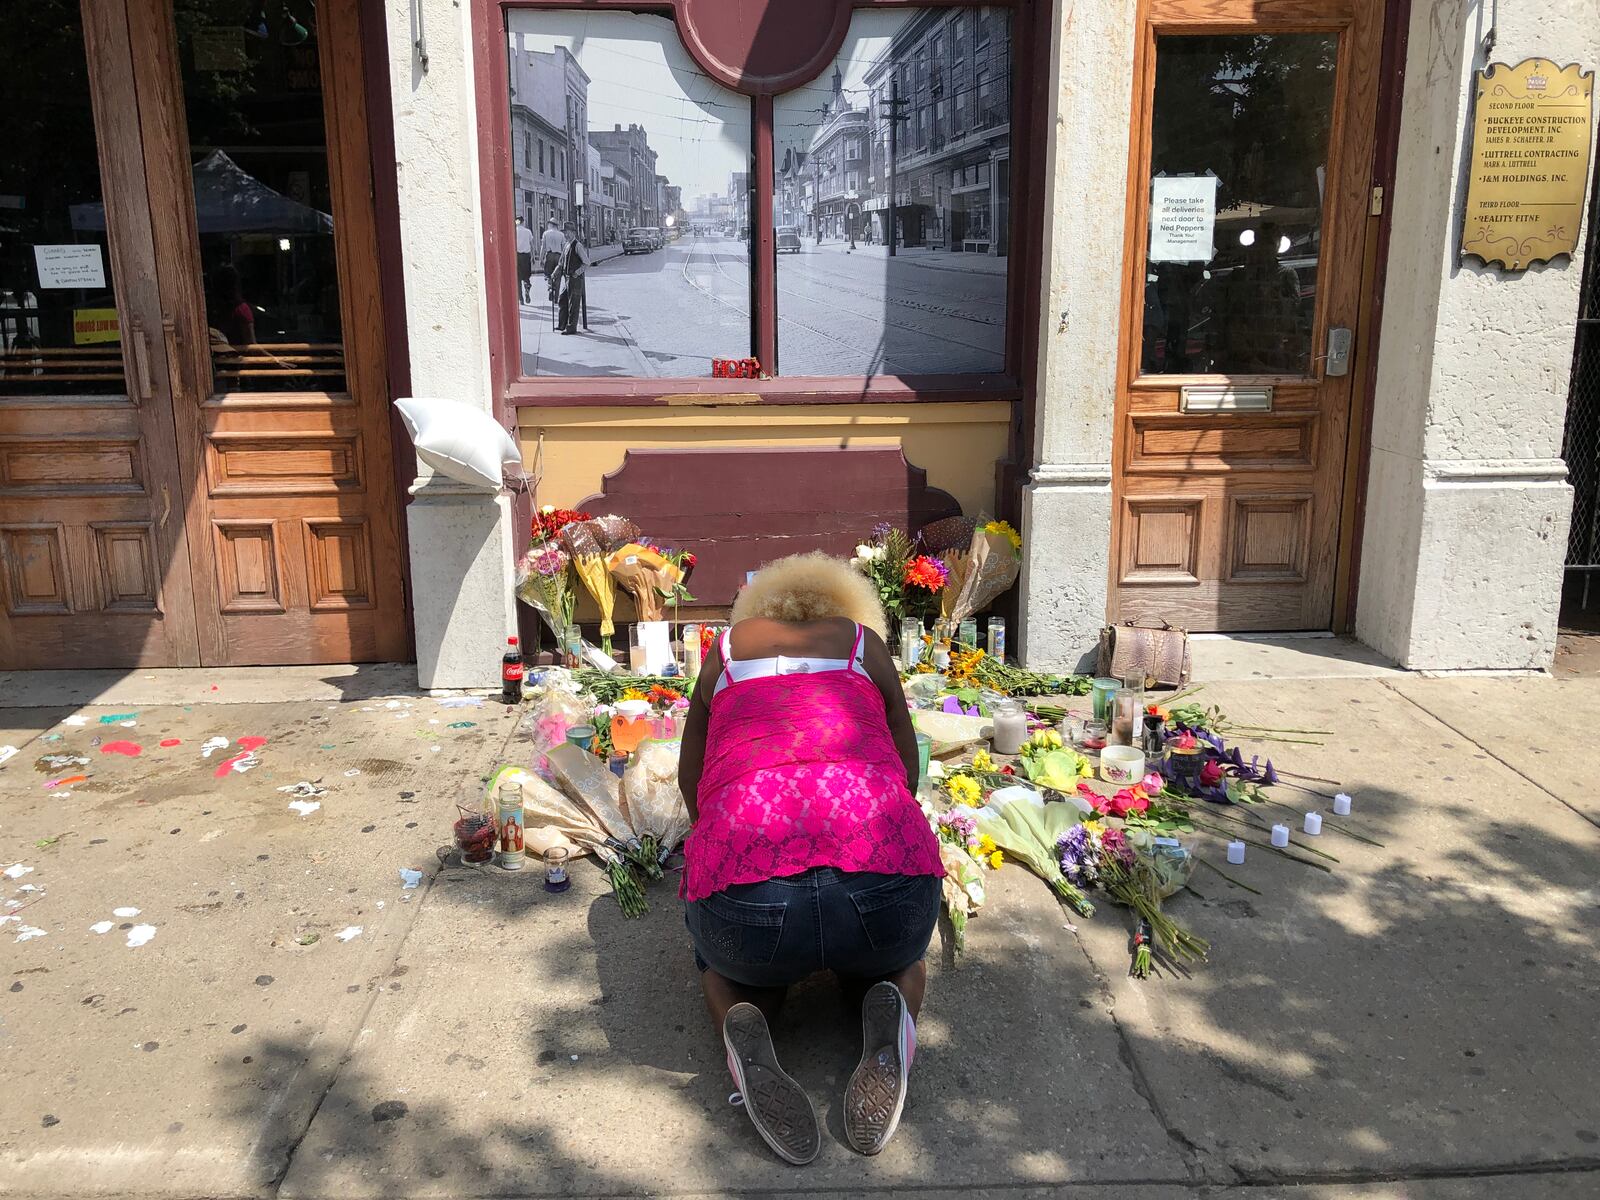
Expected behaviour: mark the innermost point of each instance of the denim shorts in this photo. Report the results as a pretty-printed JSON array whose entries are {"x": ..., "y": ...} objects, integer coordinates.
[{"x": 858, "y": 924}]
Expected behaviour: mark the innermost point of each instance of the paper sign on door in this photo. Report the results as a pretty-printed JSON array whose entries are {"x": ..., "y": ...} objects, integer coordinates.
[
  {"x": 70, "y": 267},
  {"x": 1183, "y": 217}
]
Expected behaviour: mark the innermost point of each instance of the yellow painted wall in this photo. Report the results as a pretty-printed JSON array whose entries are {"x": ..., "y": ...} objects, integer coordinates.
[{"x": 957, "y": 444}]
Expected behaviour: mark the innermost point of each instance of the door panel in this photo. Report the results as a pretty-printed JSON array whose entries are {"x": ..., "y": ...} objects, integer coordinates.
[
  {"x": 93, "y": 564},
  {"x": 1231, "y": 436},
  {"x": 270, "y": 269}
]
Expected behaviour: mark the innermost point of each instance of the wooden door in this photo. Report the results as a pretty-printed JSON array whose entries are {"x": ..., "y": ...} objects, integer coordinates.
[
  {"x": 255, "y": 129},
  {"x": 1250, "y": 181},
  {"x": 94, "y": 569}
]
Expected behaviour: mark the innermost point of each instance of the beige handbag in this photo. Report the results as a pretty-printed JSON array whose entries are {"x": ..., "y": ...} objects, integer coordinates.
[{"x": 1160, "y": 654}]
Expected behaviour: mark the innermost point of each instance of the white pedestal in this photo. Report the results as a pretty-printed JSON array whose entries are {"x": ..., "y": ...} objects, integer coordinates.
[{"x": 461, "y": 599}]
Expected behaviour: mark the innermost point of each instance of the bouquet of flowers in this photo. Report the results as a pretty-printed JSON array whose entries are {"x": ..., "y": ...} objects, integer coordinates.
[
  {"x": 924, "y": 578},
  {"x": 544, "y": 582},
  {"x": 588, "y": 543},
  {"x": 1027, "y": 829},
  {"x": 966, "y": 854},
  {"x": 1050, "y": 763},
  {"x": 649, "y": 576},
  {"x": 1096, "y": 854},
  {"x": 992, "y": 564},
  {"x": 544, "y": 574},
  {"x": 883, "y": 559}
]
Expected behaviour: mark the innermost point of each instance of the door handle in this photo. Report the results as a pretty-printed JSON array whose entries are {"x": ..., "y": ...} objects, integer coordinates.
[
  {"x": 139, "y": 345},
  {"x": 1337, "y": 359}
]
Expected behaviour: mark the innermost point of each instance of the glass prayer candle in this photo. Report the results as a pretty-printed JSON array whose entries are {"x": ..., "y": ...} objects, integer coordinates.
[
  {"x": 967, "y": 632},
  {"x": 997, "y": 638},
  {"x": 1010, "y": 726},
  {"x": 910, "y": 643},
  {"x": 555, "y": 869},
  {"x": 1100, "y": 692}
]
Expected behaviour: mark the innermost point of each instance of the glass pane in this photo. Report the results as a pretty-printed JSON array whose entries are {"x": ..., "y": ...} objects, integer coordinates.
[
  {"x": 1238, "y": 154},
  {"x": 907, "y": 138},
  {"x": 631, "y": 172},
  {"x": 58, "y": 319},
  {"x": 253, "y": 89}
]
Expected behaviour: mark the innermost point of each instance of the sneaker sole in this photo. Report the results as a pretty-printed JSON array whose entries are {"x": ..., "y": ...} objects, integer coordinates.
[
  {"x": 778, "y": 1106},
  {"x": 876, "y": 1094}
]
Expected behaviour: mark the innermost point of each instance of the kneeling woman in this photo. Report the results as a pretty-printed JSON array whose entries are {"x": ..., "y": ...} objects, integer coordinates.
[{"x": 809, "y": 851}]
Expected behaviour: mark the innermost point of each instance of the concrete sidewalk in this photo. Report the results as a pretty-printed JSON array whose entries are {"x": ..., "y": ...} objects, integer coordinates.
[{"x": 1417, "y": 1023}]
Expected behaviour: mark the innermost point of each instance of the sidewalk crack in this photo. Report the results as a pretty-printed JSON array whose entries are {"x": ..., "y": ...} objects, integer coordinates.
[
  {"x": 1489, "y": 750},
  {"x": 1192, "y": 1156}
]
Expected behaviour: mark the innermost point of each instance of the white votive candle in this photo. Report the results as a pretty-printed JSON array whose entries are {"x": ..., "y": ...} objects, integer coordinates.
[
  {"x": 1313, "y": 823},
  {"x": 1235, "y": 853},
  {"x": 1341, "y": 805},
  {"x": 1280, "y": 835}
]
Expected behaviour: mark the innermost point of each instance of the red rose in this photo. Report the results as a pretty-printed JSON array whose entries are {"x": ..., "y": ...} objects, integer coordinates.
[
  {"x": 1210, "y": 774},
  {"x": 1123, "y": 803}
]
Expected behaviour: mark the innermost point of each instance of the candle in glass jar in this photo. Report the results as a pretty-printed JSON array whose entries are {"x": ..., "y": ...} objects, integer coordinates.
[
  {"x": 1010, "y": 727},
  {"x": 691, "y": 651},
  {"x": 997, "y": 638}
]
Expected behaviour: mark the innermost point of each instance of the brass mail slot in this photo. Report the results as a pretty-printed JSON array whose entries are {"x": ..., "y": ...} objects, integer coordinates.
[{"x": 1225, "y": 398}]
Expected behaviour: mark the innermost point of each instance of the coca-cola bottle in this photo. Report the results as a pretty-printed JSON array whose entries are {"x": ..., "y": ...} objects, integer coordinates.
[{"x": 511, "y": 673}]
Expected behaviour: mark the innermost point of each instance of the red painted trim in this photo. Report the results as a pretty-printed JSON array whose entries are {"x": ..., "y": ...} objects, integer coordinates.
[
  {"x": 1025, "y": 272},
  {"x": 391, "y": 273},
  {"x": 765, "y": 284},
  {"x": 493, "y": 86},
  {"x": 1391, "y": 95}
]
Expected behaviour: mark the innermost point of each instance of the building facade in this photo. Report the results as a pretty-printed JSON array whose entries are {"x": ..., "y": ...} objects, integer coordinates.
[{"x": 1177, "y": 286}]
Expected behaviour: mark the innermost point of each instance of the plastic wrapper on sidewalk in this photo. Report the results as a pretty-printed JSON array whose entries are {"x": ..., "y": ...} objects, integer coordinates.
[{"x": 596, "y": 790}]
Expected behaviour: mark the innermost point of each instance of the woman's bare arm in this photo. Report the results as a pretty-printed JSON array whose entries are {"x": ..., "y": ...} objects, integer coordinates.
[
  {"x": 883, "y": 672},
  {"x": 692, "y": 753}
]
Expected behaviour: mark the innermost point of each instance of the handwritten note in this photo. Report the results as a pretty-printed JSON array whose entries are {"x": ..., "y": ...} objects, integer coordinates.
[{"x": 70, "y": 267}]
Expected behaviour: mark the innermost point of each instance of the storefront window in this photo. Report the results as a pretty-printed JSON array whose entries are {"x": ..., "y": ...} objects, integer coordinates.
[
  {"x": 1238, "y": 158},
  {"x": 59, "y": 331},
  {"x": 934, "y": 302},
  {"x": 667, "y": 283},
  {"x": 252, "y": 85}
]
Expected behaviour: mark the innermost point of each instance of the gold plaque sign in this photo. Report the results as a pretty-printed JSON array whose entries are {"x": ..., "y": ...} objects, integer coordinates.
[{"x": 1530, "y": 162}]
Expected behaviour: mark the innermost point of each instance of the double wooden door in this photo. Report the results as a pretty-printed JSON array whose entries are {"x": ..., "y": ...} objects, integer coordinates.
[
  {"x": 1250, "y": 199},
  {"x": 194, "y": 437}
]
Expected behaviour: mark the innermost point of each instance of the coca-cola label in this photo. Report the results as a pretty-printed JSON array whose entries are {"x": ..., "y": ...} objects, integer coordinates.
[{"x": 511, "y": 670}]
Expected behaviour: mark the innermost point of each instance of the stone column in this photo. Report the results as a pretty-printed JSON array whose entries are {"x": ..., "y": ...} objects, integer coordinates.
[
  {"x": 1467, "y": 500},
  {"x": 1066, "y": 505},
  {"x": 461, "y": 537}
]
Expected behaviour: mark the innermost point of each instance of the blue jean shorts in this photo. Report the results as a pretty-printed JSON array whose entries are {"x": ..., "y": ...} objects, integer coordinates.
[{"x": 858, "y": 924}]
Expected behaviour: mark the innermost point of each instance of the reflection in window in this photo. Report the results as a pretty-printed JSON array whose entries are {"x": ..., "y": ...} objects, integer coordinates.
[
  {"x": 1239, "y": 141},
  {"x": 633, "y": 209},
  {"x": 259, "y": 148},
  {"x": 936, "y": 302},
  {"x": 59, "y": 330}
]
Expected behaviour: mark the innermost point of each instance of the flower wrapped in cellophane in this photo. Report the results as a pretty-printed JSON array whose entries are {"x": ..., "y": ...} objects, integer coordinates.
[
  {"x": 1027, "y": 830},
  {"x": 544, "y": 582},
  {"x": 588, "y": 542},
  {"x": 655, "y": 806},
  {"x": 650, "y": 577},
  {"x": 992, "y": 564},
  {"x": 1132, "y": 870},
  {"x": 965, "y": 854}
]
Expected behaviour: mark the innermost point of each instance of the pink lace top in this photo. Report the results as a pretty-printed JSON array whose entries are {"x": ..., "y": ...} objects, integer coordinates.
[{"x": 801, "y": 771}]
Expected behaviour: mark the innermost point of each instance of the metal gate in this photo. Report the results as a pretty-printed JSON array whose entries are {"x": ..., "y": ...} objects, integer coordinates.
[{"x": 1582, "y": 446}]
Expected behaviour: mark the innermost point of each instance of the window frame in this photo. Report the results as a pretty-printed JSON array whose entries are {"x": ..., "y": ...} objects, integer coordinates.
[{"x": 1030, "y": 42}]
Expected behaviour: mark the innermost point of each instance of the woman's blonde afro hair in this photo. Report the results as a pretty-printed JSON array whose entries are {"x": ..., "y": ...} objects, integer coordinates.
[{"x": 810, "y": 587}]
